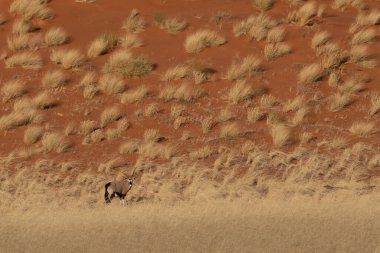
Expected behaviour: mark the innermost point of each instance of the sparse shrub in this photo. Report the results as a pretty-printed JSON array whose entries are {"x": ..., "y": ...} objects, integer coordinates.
[
  {"x": 24, "y": 41},
  {"x": 243, "y": 90},
  {"x": 110, "y": 114},
  {"x": 54, "y": 79},
  {"x": 111, "y": 84},
  {"x": 255, "y": 114},
  {"x": 70, "y": 59},
  {"x": 202, "y": 39},
  {"x": 134, "y": 23},
  {"x": 23, "y": 26},
  {"x": 363, "y": 129},
  {"x": 339, "y": 102},
  {"x": 310, "y": 74},
  {"x": 364, "y": 36},
  {"x": 26, "y": 60},
  {"x": 229, "y": 131},
  {"x": 135, "y": 95},
  {"x": 249, "y": 66},
  {"x": 12, "y": 89},
  {"x": 33, "y": 134},
  {"x": 102, "y": 45},
  {"x": 55, "y": 37},
  {"x": 276, "y": 50},
  {"x": 280, "y": 135}
]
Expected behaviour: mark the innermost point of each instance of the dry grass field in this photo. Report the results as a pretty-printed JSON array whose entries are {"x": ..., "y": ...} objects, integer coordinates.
[{"x": 251, "y": 125}]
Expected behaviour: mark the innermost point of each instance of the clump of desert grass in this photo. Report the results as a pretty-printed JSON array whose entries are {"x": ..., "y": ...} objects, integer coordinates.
[
  {"x": 202, "y": 39},
  {"x": 268, "y": 101},
  {"x": 263, "y": 5},
  {"x": 55, "y": 142},
  {"x": 31, "y": 9},
  {"x": 368, "y": 19},
  {"x": 375, "y": 104},
  {"x": 201, "y": 153},
  {"x": 20, "y": 117},
  {"x": 130, "y": 41},
  {"x": 172, "y": 25},
  {"x": 361, "y": 56},
  {"x": 55, "y": 37},
  {"x": 320, "y": 39},
  {"x": 310, "y": 74},
  {"x": 248, "y": 66},
  {"x": 24, "y": 41},
  {"x": 154, "y": 150},
  {"x": 294, "y": 104},
  {"x": 275, "y": 50},
  {"x": 183, "y": 92},
  {"x": 280, "y": 134},
  {"x": 364, "y": 36},
  {"x": 255, "y": 114},
  {"x": 230, "y": 130},
  {"x": 33, "y": 134},
  {"x": 43, "y": 100},
  {"x": 23, "y": 26},
  {"x": 87, "y": 126},
  {"x": 243, "y": 90},
  {"x": 257, "y": 27},
  {"x": 129, "y": 147},
  {"x": 111, "y": 84},
  {"x": 207, "y": 124},
  {"x": 299, "y": 116},
  {"x": 351, "y": 87},
  {"x": 152, "y": 110},
  {"x": 69, "y": 59},
  {"x": 12, "y": 89},
  {"x": 304, "y": 15},
  {"x": 363, "y": 129},
  {"x": 26, "y": 60},
  {"x": 102, "y": 44},
  {"x": 110, "y": 114},
  {"x": 339, "y": 101},
  {"x": 306, "y": 137},
  {"x": 152, "y": 135},
  {"x": 332, "y": 56},
  {"x": 276, "y": 35},
  {"x": 176, "y": 73},
  {"x": 334, "y": 79},
  {"x": 124, "y": 64},
  {"x": 134, "y": 95},
  {"x": 54, "y": 79},
  {"x": 134, "y": 23},
  {"x": 226, "y": 114}
]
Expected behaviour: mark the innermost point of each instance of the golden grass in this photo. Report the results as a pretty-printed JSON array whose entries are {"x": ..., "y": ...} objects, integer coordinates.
[
  {"x": 310, "y": 74},
  {"x": 320, "y": 39},
  {"x": 134, "y": 95},
  {"x": 367, "y": 19},
  {"x": 176, "y": 73},
  {"x": 152, "y": 135},
  {"x": 12, "y": 89},
  {"x": 153, "y": 150},
  {"x": 20, "y": 117},
  {"x": 351, "y": 87},
  {"x": 263, "y": 5},
  {"x": 130, "y": 41},
  {"x": 54, "y": 142},
  {"x": 226, "y": 115},
  {"x": 364, "y": 36},
  {"x": 111, "y": 84},
  {"x": 294, "y": 104},
  {"x": 272, "y": 51},
  {"x": 268, "y": 101},
  {"x": 304, "y": 15},
  {"x": 94, "y": 137},
  {"x": 184, "y": 92},
  {"x": 339, "y": 101},
  {"x": 134, "y": 23},
  {"x": 54, "y": 79},
  {"x": 89, "y": 79},
  {"x": 306, "y": 137},
  {"x": 280, "y": 135},
  {"x": 361, "y": 56},
  {"x": 334, "y": 79},
  {"x": 33, "y": 134},
  {"x": 201, "y": 153},
  {"x": 174, "y": 25},
  {"x": 69, "y": 59},
  {"x": 123, "y": 63},
  {"x": 375, "y": 104},
  {"x": 151, "y": 110},
  {"x": 129, "y": 147},
  {"x": 55, "y": 37},
  {"x": 87, "y": 126},
  {"x": 299, "y": 116},
  {"x": 332, "y": 56},
  {"x": 229, "y": 131},
  {"x": 31, "y": 9},
  {"x": 24, "y": 41},
  {"x": 255, "y": 114},
  {"x": 257, "y": 27},
  {"x": 110, "y": 114},
  {"x": 363, "y": 129},
  {"x": 23, "y": 26},
  {"x": 207, "y": 124},
  {"x": 249, "y": 66},
  {"x": 102, "y": 45},
  {"x": 202, "y": 39},
  {"x": 243, "y": 90},
  {"x": 43, "y": 100},
  {"x": 276, "y": 34},
  {"x": 177, "y": 110},
  {"x": 26, "y": 60}
]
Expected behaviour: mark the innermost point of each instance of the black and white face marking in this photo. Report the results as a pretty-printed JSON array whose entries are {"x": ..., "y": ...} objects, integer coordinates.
[{"x": 130, "y": 181}]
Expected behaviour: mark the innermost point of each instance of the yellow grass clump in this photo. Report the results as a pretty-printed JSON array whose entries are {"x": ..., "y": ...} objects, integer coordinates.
[
  {"x": 280, "y": 135},
  {"x": 229, "y": 131},
  {"x": 184, "y": 92},
  {"x": 294, "y": 104},
  {"x": 20, "y": 117},
  {"x": 55, "y": 37},
  {"x": 363, "y": 129},
  {"x": 257, "y": 27},
  {"x": 304, "y": 15},
  {"x": 110, "y": 114},
  {"x": 129, "y": 147},
  {"x": 174, "y": 25},
  {"x": 111, "y": 84},
  {"x": 364, "y": 36},
  {"x": 26, "y": 60},
  {"x": 102, "y": 45},
  {"x": 23, "y": 26},
  {"x": 70, "y": 59},
  {"x": 202, "y": 39},
  {"x": 249, "y": 66},
  {"x": 243, "y": 90},
  {"x": 33, "y": 134},
  {"x": 12, "y": 89},
  {"x": 310, "y": 74},
  {"x": 371, "y": 18},
  {"x": 255, "y": 114},
  {"x": 201, "y": 153},
  {"x": 306, "y": 137},
  {"x": 130, "y": 41},
  {"x": 55, "y": 142},
  {"x": 320, "y": 39},
  {"x": 275, "y": 35},
  {"x": 43, "y": 100},
  {"x": 375, "y": 104},
  {"x": 339, "y": 102},
  {"x": 134, "y": 23},
  {"x": 176, "y": 73},
  {"x": 54, "y": 79},
  {"x": 276, "y": 50},
  {"x": 24, "y": 41},
  {"x": 152, "y": 135},
  {"x": 361, "y": 56},
  {"x": 87, "y": 126},
  {"x": 351, "y": 87},
  {"x": 134, "y": 95},
  {"x": 263, "y": 5},
  {"x": 31, "y": 9},
  {"x": 299, "y": 116}
]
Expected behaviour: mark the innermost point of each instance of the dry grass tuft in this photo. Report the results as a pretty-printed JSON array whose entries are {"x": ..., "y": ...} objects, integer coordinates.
[
  {"x": 255, "y": 114},
  {"x": 110, "y": 114},
  {"x": 299, "y": 116},
  {"x": 280, "y": 135},
  {"x": 134, "y": 23},
  {"x": 55, "y": 142},
  {"x": 152, "y": 110},
  {"x": 334, "y": 79},
  {"x": 229, "y": 131},
  {"x": 339, "y": 101},
  {"x": 102, "y": 45},
  {"x": 256, "y": 26},
  {"x": 276, "y": 50},
  {"x": 152, "y": 135},
  {"x": 207, "y": 124},
  {"x": 184, "y": 92},
  {"x": 351, "y": 87},
  {"x": 129, "y": 147},
  {"x": 54, "y": 79},
  {"x": 123, "y": 63},
  {"x": 294, "y": 104},
  {"x": 304, "y": 15},
  {"x": 310, "y": 74},
  {"x": 263, "y": 5},
  {"x": 173, "y": 25},
  {"x": 111, "y": 84},
  {"x": 226, "y": 115},
  {"x": 23, "y": 26},
  {"x": 363, "y": 129},
  {"x": 249, "y": 66},
  {"x": 55, "y": 37},
  {"x": 31, "y": 9},
  {"x": 26, "y": 60},
  {"x": 320, "y": 39},
  {"x": 12, "y": 89},
  {"x": 88, "y": 126},
  {"x": 306, "y": 137},
  {"x": 364, "y": 36},
  {"x": 70, "y": 59},
  {"x": 243, "y": 90},
  {"x": 367, "y": 19},
  {"x": 24, "y": 41},
  {"x": 135, "y": 95},
  {"x": 176, "y": 73},
  {"x": 361, "y": 56},
  {"x": 375, "y": 104},
  {"x": 202, "y": 39},
  {"x": 268, "y": 101},
  {"x": 20, "y": 117},
  {"x": 43, "y": 100},
  {"x": 33, "y": 134},
  {"x": 201, "y": 153},
  {"x": 130, "y": 41},
  {"x": 275, "y": 35}
]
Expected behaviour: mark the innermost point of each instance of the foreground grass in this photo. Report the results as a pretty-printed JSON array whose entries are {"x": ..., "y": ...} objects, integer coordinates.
[{"x": 261, "y": 226}]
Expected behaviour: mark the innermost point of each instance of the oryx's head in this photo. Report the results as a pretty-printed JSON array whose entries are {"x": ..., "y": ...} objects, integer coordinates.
[{"x": 130, "y": 180}]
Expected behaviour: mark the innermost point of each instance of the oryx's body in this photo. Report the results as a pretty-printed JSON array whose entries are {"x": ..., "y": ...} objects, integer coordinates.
[{"x": 118, "y": 188}]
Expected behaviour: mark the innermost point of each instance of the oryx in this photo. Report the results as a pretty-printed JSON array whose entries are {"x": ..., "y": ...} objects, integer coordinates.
[{"x": 119, "y": 188}]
